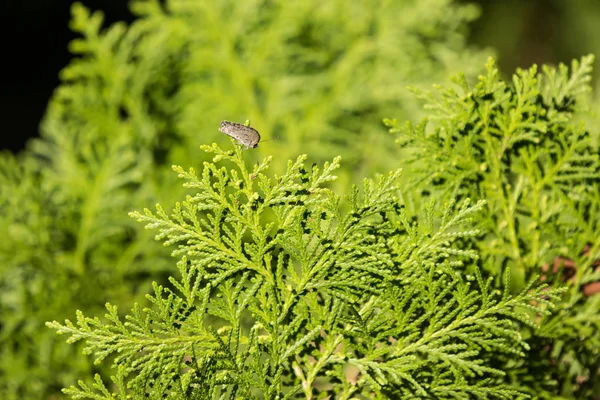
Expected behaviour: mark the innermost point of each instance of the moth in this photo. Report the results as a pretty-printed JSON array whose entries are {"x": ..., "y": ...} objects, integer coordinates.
[{"x": 246, "y": 135}]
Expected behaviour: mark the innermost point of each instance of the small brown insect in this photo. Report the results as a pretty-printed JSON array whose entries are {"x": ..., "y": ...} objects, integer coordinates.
[{"x": 246, "y": 135}]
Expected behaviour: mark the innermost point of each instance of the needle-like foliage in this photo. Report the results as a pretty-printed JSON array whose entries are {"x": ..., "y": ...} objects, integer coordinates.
[
  {"x": 285, "y": 290},
  {"x": 315, "y": 76},
  {"x": 524, "y": 147}
]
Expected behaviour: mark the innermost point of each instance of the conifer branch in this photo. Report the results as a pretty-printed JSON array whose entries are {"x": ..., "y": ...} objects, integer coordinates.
[{"x": 283, "y": 286}]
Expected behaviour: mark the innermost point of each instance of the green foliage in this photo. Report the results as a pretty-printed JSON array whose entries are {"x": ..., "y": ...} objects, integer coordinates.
[
  {"x": 137, "y": 98},
  {"x": 286, "y": 291},
  {"x": 316, "y": 77},
  {"x": 67, "y": 240},
  {"x": 523, "y": 147}
]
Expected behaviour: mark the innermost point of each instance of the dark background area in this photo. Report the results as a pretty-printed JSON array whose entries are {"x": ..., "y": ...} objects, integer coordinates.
[
  {"x": 35, "y": 34},
  {"x": 526, "y": 32}
]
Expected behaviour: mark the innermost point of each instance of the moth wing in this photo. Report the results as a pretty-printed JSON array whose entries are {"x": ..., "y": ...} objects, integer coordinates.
[
  {"x": 227, "y": 128},
  {"x": 246, "y": 135},
  {"x": 254, "y": 139}
]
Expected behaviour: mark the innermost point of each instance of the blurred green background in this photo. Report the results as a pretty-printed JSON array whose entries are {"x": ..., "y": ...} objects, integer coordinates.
[{"x": 315, "y": 77}]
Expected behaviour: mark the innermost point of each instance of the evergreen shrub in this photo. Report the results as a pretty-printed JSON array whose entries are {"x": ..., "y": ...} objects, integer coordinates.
[
  {"x": 287, "y": 291},
  {"x": 316, "y": 76},
  {"x": 531, "y": 149}
]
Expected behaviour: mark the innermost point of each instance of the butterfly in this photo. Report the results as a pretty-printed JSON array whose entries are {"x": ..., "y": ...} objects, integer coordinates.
[{"x": 244, "y": 134}]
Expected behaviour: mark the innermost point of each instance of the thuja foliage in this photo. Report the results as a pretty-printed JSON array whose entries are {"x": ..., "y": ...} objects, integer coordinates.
[
  {"x": 314, "y": 76},
  {"x": 523, "y": 146},
  {"x": 317, "y": 76},
  {"x": 286, "y": 290}
]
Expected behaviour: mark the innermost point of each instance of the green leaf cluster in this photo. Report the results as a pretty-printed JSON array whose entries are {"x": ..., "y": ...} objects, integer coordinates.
[
  {"x": 312, "y": 77},
  {"x": 525, "y": 148},
  {"x": 316, "y": 76},
  {"x": 286, "y": 290}
]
